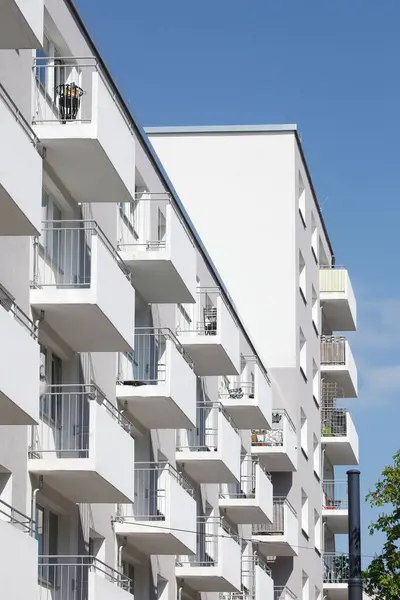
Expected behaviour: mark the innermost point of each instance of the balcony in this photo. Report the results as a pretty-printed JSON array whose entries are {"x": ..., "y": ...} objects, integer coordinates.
[
  {"x": 21, "y": 24},
  {"x": 155, "y": 243},
  {"x": 156, "y": 381},
  {"x": 19, "y": 396},
  {"x": 337, "y": 364},
  {"x": 276, "y": 448},
  {"x": 339, "y": 436},
  {"x": 82, "y": 446},
  {"x": 248, "y": 397},
  {"x": 257, "y": 583},
  {"x": 335, "y": 507},
  {"x": 80, "y": 577},
  {"x": 84, "y": 129},
  {"x": 20, "y": 197},
  {"x": 336, "y": 575},
  {"x": 250, "y": 501},
  {"x": 210, "y": 452},
  {"x": 18, "y": 541},
  {"x": 162, "y": 519},
  {"x": 210, "y": 335},
  {"x": 281, "y": 537},
  {"x": 216, "y": 566},
  {"x": 75, "y": 267},
  {"x": 337, "y": 299},
  {"x": 283, "y": 593}
]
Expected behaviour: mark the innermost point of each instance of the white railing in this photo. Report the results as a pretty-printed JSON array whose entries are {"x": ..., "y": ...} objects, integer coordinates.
[
  {"x": 151, "y": 485},
  {"x": 205, "y": 436},
  {"x": 209, "y": 529},
  {"x": 148, "y": 364},
  {"x": 283, "y": 593},
  {"x": 204, "y": 317},
  {"x": 332, "y": 279},
  {"x": 7, "y": 303},
  {"x": 246, "y": 488},
  {"x": 17, "y": 518},
  {"x": 62, "y": 254},
  {"x": 277, "y": 527},
  {"x": 67, "y": 577},
  {"x": 333, "y": 350},
  {"x": 64, "y": 421},
  {"x": 334, "y": 422},
  {"x": 336, "y": 567},
  {"x": 275, "y": 435},
  {"x": 335, "y": 494}
]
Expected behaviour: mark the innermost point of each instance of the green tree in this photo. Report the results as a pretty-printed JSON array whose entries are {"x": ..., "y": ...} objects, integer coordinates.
[{"x": 382, "y": 577}]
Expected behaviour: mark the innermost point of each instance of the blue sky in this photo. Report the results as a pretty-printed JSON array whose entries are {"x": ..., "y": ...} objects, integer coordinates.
[{"x": 332, "y": 68}]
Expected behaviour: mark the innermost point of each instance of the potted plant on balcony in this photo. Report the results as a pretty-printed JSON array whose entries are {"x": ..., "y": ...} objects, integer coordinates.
[{"x": 69, "y": 99}]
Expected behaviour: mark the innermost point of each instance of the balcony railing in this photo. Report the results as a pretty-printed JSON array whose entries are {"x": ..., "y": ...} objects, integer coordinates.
[
  {"x": 249, "y": 564},
  {"x": 274, "y": 436},
  {"x": 209, "y": 530},
  {"x": 283, "y": 593},
  {"x": 64, "y": 428},
  {"x": 7, "y": 303},
  {"x": 238, "y": 387},
  {"x": 16, "y": 113},
  {"x": 13, "y": 516},
  {"x": 62, "y": 254},
  {"x": 203, "y": 319},
  {"x": 204, "y": 437},
  {"x": 63, "y": 90},
  {"x": 151, "y": 492},
  {"x": 334, "y": 422},
  {"x": 246, "y": 488},
  {"x": 147, "y": 364},
  {"x": 333, "y": 350},
  {"x": 68, "y": 576},
  {"x": 335, "y": 495},
  {"x": 336, "y": 567},
  {"x": 277, "y": 527},
  {"x": 332, "y": 279}
]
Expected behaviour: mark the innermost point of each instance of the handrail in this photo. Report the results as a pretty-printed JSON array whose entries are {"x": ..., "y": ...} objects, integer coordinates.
[
  {"x": 284, "y": 500},
  {"x": 221, "y": 408},
  {"x": 13, "y": 108},
  {"x": 282, "y": 591},
  {"x": 222, "y": 523},
  {"x": 253, "y": 358},
  {"x": 85, "y": 560},
  {"x": 168, "y": 334},
  {"x": 7, "y": 302},
  {"x": 166, "y": 466},
  {"x": 16, "y": 517}
]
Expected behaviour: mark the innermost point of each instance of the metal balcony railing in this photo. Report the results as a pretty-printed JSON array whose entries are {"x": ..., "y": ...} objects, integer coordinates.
[
  {"x": 333, "y": 422},
  {"x": 242, "y": 386},
  {"x": 332, "y": 279},
  {"x": 246, "y": 488},
  {"x": 249, "y": 564},
  {"x": 283, "y": 593},
  {"x": 13, "y": 516},
  {"x": 151, "y": 484},
  {"x": 333, "y": 350},
  {"x": 7, "y": 303},
  {"x": 204, "y": 437},
  {"x": 147, "y": 364},
  {"x": 17, "y": 115},
  {"x": 336, "y": 567},
  {"x": 277, "y": 527},
  {"x": 275, "y": 435},
  {"x": 208, "y": 533},
  {"x": 62, "y": 254},
  {"x": 67, "y": 577},
  {"x": 203, "y": 318},
  {"x": 64, "y": 427},
  {"x": 335, "y": 495}
]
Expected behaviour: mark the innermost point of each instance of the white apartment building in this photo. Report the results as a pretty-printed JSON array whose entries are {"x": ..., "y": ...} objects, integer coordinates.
[{"x": 145, "y": 449}]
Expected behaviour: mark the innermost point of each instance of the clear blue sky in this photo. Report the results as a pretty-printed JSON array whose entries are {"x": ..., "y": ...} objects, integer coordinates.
[{"x": 332, "y": 68}]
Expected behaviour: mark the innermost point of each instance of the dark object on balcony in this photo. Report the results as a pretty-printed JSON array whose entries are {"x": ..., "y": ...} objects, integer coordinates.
[
  {"x": 69, "y": 99},
  {"x": 133, "y": 382}
]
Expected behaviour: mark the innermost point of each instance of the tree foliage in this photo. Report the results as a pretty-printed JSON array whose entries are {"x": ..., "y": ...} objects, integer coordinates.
[{"x": 382, "y": 577}]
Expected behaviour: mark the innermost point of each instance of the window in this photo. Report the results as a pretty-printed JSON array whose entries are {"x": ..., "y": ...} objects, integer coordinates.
[
  {"x": 316, "y": 456},
  {"x": 39, "y": 533},
  {"x": 302, "y": 278},
  {"x": 304, "y": 432},
  {"x": 305, "y": 587},
  {"x": 303, "y": 355},
  {"x": 315, "y": 310},
  {"x": 304, "y": 514},
  {"x": 129, "y": 571},
  {"x": 316, "y": 384},
  {"x": 301, "y": 199},
  {"x": 317, "y": 531},
  {"x": 314, "y": 238},
  {"x": 161, "y": 228}
]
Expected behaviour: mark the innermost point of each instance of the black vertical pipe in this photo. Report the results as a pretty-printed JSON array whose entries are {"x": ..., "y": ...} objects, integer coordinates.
[{"x": 353, "y": 492}]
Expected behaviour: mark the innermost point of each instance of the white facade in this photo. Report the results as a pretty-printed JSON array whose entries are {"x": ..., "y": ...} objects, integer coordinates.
[{"x": 145, "y": 447}]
